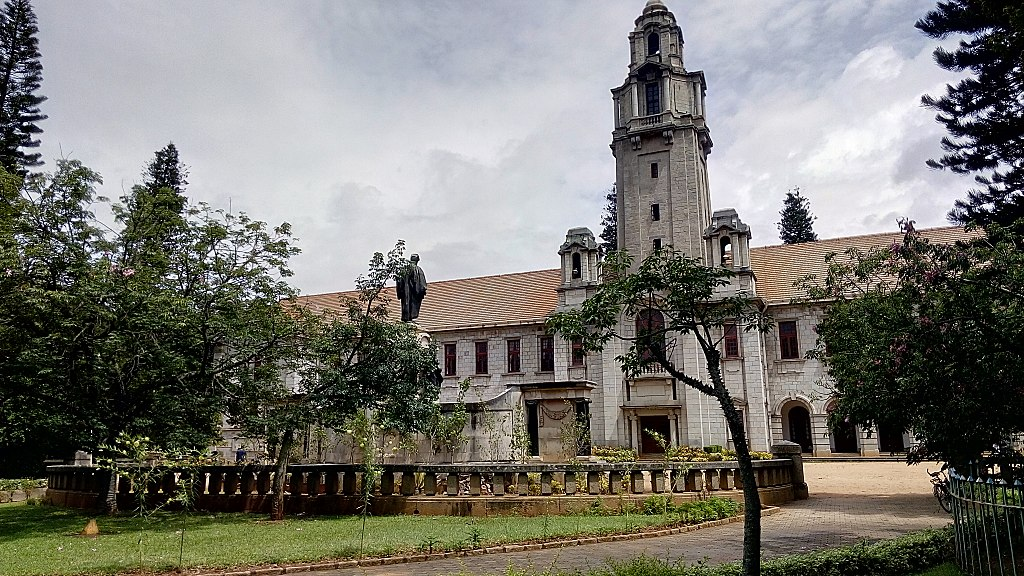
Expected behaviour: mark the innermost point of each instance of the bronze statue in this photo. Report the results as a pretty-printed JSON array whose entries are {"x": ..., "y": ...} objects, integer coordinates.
[{"x": 411, "y": 286}]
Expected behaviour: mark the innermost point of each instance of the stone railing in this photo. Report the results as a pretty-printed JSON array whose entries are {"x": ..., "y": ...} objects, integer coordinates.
[{"x": 455, "y": 489}]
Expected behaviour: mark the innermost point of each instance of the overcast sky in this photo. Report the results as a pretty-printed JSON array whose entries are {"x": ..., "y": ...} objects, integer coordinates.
[{"x": 478, "y": 132}]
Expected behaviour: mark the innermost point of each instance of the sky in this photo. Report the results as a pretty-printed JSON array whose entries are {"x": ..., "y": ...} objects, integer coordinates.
[{"x": 478, "y": 132}]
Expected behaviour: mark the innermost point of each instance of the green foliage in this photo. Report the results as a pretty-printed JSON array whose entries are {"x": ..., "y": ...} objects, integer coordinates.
[
  {"x": 19, "y": 82},
  {"x": 520, "y": 441},
  {"x": 446, "y": 427},
  {"x": 797, "y": 223},
  {"x": 574, "y": 434},
  {"x": 927, "y": 337},
  {"x": 609, "y": 223},
  {"x": 984, "y": 112},
  {"x": 615, "y": 454}
]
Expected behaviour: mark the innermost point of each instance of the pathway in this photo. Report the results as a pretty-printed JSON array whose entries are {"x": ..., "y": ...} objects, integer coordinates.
[{"x": 850, "y": 502}]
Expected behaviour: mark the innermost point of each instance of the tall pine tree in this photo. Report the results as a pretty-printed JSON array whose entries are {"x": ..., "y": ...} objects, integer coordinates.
[
  {"x": 609, "y": 224},
  {"x": 983, "y": 113},
  {"x": 797, "y": 221},
  {"x": 20, "y": 76},
  {"x": 153, "y": 213}
]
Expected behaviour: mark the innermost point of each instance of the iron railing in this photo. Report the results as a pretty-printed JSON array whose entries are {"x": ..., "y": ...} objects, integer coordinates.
[{"x": 987, "y": 501}]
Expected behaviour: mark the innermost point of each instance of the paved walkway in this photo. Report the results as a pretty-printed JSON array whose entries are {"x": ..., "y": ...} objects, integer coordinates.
[{"x": 850, "y": 502}]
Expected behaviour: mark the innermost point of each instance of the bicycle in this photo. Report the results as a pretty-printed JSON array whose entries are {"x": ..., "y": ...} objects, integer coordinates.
[{"x": 940, "y": 489}]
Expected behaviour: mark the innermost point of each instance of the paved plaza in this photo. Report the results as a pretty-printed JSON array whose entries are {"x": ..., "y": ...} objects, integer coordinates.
[{"x": 850, "y": 502}]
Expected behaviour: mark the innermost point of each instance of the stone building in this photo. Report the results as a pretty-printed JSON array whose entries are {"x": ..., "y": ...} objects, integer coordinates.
[{"x": 491, "y": 329}]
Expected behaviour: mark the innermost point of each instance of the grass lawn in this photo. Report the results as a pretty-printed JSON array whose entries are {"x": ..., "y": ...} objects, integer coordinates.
[
  {"x": 36, "y": 540},
  {"x": 947, "y": 569}
]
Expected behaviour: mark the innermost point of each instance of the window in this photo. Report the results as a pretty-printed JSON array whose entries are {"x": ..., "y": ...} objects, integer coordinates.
[
  {"x": 450, "y": 364},
  {"x": 547, "y": 354},
  {"x": 652, "y": 91},
  {"x": 577, "y": 355},
  {"x": 654, "y": 169},
  {"x": 732, "y": 341},
  {"x": 577, "y": 266},
  {"x": 653, "y": 43},
  {"x": 657, "y": 244},
  {"x": 787, "y": 340},
  {"x": 481, "y": 357},
  {"x": 655, "y": 212},
  {"x": 650, "y": 333},
  {"x": 512, "y": 348}
]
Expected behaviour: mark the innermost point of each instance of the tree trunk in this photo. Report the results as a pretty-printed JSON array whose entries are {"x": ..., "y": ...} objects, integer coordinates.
[
  {"x": 108, "y": 500},
  {"x": 751, "y": 498},
  {"x": 280, "y": 471}
]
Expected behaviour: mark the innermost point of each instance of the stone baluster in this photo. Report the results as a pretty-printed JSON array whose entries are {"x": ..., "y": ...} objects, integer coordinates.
[
  {"x": 296, "y": 483},
  {"x": 658, "y": 481},
  {"x": 594, "y": 482},
  {"x": 453, "y": 484},
  {"x": 314, "y": 480},
  {"x": 408, "y": 483},
  {"x": 216, "y": 484},
  {"x": 263, "y": 482},
  {"x": 615, "y": 482},
  {"x": 430, "y": 483},
  {"x": 524, "y": 484},
  {"x": 498, "y": 484},
  {"x": 348, "y": 483},
  {"x": 570, "y": 483},
  {"x": 231, "y": 482},
  {"x": 636, "y": 481},
  {"x": 545, "y": 483},
  {"x": 387, "y": 483},
  {"x": 474, "y": 483}
]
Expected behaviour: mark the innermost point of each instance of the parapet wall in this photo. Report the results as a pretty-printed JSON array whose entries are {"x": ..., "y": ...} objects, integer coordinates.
[{"x": 458, "y": 489}]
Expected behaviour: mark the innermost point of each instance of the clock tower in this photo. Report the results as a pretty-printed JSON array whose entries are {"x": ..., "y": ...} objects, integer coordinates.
[{"x": 661, "y": 143}]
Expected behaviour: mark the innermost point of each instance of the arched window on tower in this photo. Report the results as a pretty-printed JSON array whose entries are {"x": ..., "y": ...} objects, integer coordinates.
[
  {"x": 653, "y": 43},
  {"x": 726, "y": 251},
  {"x": 650, "y": 333},
  {"x": 577, "y": 266}
]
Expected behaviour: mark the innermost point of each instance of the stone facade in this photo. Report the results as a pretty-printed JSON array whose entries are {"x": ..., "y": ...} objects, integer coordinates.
[{"x": 660, "y": 142}]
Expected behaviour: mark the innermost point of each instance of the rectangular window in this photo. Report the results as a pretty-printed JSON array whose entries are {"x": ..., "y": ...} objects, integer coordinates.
[
  {"x": 577, "y": 355},
  {"x": 547, "y": 354},
  {"x": 655, "y": 212},
  {"x": 732, "y": 341},
  {"x": 787, "y": 340},
  {"x": 481, "y": 357},
  {"x": 654, "y": 169},
  {"x": 652, "y": 91},
  {"x": 450, "y": 364},
  {"x": 512, "y": 347},
  {"x": 657, "y": 244}
]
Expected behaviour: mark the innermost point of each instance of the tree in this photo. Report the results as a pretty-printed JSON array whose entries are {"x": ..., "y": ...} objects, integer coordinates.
[
  {"x": 20, "y": 76},
  {"x": 797, "y": 221},
  {"x": 983, "y": 113},
  {"x": 926, "y": 337},
  {"x": 105, "y": 332},
  {"x": 674, "y": 298},
  {"x": 356, "y": 362},
  {"x": 609, "y": 223}
]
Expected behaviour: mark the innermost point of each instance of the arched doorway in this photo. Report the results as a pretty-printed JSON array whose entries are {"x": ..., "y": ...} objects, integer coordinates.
[
  {"x": 797, "y": 426},
  {"x": 890, "y": 439},
  {"x": 844, "y": 437},
  {"x": 843, "y": 434}
]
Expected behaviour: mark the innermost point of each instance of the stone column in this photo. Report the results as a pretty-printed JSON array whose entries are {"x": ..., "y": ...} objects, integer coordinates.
[{"x": 792, "y": 451}]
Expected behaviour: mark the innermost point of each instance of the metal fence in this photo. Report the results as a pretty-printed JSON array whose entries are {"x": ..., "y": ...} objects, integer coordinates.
[{"x": 987, "y": 501}]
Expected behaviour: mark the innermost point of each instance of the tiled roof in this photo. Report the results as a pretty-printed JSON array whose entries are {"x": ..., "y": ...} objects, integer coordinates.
[
  {"x": 506, "y": 299},
  {"x": 779, "y": 267},
  {"x": 529, "y": 297}
]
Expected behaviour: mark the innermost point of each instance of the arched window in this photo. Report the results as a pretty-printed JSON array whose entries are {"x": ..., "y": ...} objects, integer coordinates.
[
  {"x": 726, "y": 251},
  {"x": 650, "y": 333},
  {"x": 653, "y": 43},
  {"x": 577, "y": 266}
]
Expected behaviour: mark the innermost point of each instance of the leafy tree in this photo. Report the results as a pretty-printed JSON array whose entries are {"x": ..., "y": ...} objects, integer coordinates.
[
  {"x": 797, "y": 221},
  {"x": 681, "y": 293},
  {"x": 20, "y": 76},
  {"x": 609, "y": 223},
  {"x": 361, "y": 360},
  {"x": 983, "y": 113},
  {"x": 926, "y": 337},
  {"x": 102, "y": 337}
]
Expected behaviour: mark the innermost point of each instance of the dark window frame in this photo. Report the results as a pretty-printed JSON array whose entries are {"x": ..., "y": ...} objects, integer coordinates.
[
  {"x": 513, "y": 354},
  {"x": 656, "y": 244},
  {"x": 547, "y": 353},
  {"x": 648, "y": 321},
  {"x": 731, "y": 341},
  {"x": 480, "y": 356},
  {"x": 652, "y": 97},
  {"x": 451, "y": 359},
  {"x": 577, "y": 266},
  {"x": 654, "y": 170},
  {"x": 655, "y": 212},
  {"x": 577, "y": 357},
  {"x": 789, "y": 344},
  {"x": 653, "y": 43}
]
